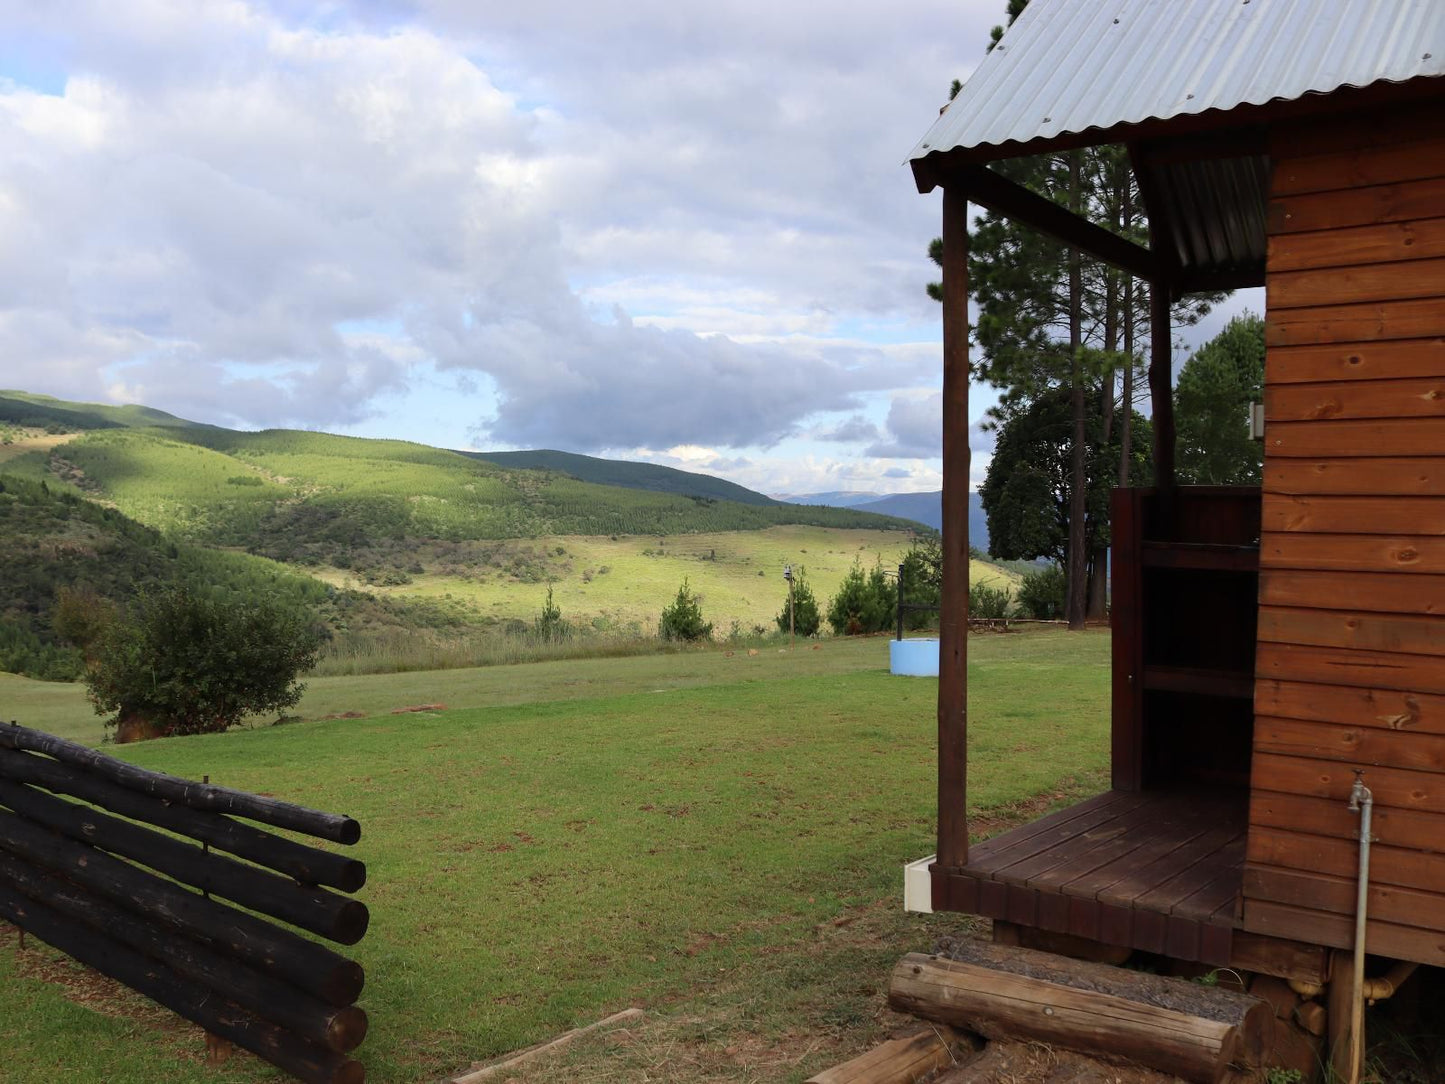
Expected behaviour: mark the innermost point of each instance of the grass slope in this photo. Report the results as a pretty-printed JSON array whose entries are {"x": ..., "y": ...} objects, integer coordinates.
[
  {"x": 299, "y": 496},
  {"x": 619, "y": 472},
  {"x": 24, "y": 408},
  {"x": 722, "y": 847},
  {"x": 614, "y": 584},
  {"x": 55, "y": 539}
]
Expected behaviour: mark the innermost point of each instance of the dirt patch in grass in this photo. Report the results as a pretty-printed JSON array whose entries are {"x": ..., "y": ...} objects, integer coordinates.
[{"x": 1039, "y": 1063}]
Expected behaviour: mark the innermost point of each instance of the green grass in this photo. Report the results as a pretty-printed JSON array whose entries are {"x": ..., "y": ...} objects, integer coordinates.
[
  {"x": 621, "y": 583},
  {"x": 717, "y": 839},
  {"x": 322, "y": 496}
]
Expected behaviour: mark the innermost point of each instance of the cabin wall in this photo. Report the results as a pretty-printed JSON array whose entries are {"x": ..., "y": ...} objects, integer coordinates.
[{"x": 1350, "y": 662}]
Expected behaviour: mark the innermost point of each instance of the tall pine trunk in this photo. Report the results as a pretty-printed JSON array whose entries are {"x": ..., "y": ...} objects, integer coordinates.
[{"x": 1078, "y": 480}]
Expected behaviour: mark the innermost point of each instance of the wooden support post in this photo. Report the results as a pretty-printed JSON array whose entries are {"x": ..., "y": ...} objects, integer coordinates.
[
  {"x": 1161, "y": 384},
  {"x": 1341, "y": 1005},
  {"x": 953, "y": 613}
]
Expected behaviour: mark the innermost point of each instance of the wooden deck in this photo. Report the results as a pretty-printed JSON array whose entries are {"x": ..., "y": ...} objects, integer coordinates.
[{"x": 1153, "y": 870}]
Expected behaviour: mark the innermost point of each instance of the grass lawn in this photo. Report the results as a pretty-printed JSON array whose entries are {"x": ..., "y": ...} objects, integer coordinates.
[{"x": 718, "y": 840}]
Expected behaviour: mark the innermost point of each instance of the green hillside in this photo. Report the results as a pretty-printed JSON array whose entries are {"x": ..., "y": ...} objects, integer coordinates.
[
  {"x": 348, "y": 502},
  {"x": 399, "y": 549},
  {"x": 57, "y": 539},
  {"x": 22, "y": 408},
  {"x": 619, "y": 472}
]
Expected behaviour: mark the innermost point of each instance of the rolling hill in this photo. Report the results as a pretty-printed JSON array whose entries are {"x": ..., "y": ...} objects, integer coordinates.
[
  {"x": 383, "y": 538},
  {"x": 627, "y": 474},
  {"x": 20, "y": 408}
]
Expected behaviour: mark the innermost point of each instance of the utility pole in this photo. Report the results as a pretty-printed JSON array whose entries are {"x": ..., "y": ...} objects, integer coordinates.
[{"x": 788, "y": 575}]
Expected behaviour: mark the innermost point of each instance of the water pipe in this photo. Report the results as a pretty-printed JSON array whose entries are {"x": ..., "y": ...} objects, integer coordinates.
[{"x": 1361, "y": 802}]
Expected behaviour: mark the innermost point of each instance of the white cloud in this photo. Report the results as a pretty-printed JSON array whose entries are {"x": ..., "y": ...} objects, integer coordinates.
[{"x": 648, "y": 225}]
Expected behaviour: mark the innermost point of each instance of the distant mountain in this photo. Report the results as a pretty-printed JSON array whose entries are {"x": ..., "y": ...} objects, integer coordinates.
[
  {"x": 925, "y": 508},
  {"x": 40, "y": 411},
  {"x": 842, "y": 498},
  {"x": 628, "y": 475}
]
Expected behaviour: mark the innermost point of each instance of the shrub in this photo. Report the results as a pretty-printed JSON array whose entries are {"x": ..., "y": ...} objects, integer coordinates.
[
  {"x": 549, "y": 626},
  {"x": 923, "y": 579},
  {"x": 1042, "y": 594},
  {"x": 187, "y": 664},
  {"x": 986, "y": 601},
  {"x": 865, "y": 602},
  {"x": 806, "y": 617},
  {"x": 682, "y": 618}
]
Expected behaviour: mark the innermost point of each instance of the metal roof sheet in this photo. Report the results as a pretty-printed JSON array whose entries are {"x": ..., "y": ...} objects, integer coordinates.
[{"x": 1067, "y": 66}]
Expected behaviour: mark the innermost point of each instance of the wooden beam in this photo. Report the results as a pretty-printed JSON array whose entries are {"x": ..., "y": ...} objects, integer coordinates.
[
  {"x": 953, "y": 615},
  {"x": 300, "y": 961},
  {"x": 186, "y": 792},
  {"x": 309, "y": 865},
  {"x": 199, "y": 1004},
  {"x": 998, "y": 193},
  {"x": 1161, "y": 386}
]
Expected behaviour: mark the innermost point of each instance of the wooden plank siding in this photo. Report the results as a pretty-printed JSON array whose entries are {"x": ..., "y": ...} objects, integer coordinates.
[{"x": 1350, "y": 659}]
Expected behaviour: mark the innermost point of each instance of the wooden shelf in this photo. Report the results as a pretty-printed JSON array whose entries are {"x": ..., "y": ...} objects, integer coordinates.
[
  {"x": 1234, "y": 684},
  {"x": 1200, "y": 555}
]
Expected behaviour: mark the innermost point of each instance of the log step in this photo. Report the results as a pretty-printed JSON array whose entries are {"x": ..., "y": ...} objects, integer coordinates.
[
  {"x": 897, "y": 1061},
  {"x": 1002, "y": 991}
]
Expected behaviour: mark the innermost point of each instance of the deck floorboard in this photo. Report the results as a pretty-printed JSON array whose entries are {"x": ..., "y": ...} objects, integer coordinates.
[{"x": 1160, "y": 871}]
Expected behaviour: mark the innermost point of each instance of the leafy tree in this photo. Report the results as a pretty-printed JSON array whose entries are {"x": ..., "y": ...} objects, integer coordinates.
[
  {"x": 1211, "y": 411},
  {"x": 1041, "y": 594},
  {"x": 1026, "y": 492},
  {"x": 188, "y": 664},
  {"x": 922, "y": 578},
  {"x": 682, "y": 618},
  {"x": 865, "y": 602},
  {"x": 806, "y": 618}
]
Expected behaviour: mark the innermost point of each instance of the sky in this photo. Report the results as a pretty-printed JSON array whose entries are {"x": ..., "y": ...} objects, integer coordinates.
[{"x": 666, "y": 231}]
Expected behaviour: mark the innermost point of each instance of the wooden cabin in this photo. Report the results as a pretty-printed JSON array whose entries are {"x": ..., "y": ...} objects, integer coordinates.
[{"x": 1268, "y": 643}]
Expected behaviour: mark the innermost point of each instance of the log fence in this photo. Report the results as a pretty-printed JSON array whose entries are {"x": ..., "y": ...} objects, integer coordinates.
[{"x": 111, "y": 884}]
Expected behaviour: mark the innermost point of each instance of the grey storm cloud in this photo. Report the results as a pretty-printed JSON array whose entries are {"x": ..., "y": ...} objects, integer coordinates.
[
  {"x": 261, "y": 216},
  {"x": 851, "y": 430},
  {"x": 914, "y": 428}
]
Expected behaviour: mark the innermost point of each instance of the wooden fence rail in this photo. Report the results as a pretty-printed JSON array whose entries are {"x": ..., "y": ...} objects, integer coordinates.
[{"x": 112, "y": 893}]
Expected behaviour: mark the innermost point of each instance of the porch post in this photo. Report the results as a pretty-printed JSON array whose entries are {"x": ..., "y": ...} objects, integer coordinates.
[
  {"x": 953, "y": 605},
  {"x": 1161, "y": 383}
]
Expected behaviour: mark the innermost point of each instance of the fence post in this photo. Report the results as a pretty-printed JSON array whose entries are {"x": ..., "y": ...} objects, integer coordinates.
[{"x": 900, "y": 602}]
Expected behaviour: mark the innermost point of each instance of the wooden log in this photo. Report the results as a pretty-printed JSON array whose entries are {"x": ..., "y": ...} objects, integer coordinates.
[
  {"x": 337, "y": 918},
  {"x": 304, "y": 963},
  {"x": 339, "y": 1029},
  {"x": 898, "y": 1061},
  {"x": 186, "y": 792},
  {"x": 195, "y": 1002},
  {"x": 308, "y": 865},
  {"x": 486, "y": 1072},
  {"x": 1193, "y": 1031}
]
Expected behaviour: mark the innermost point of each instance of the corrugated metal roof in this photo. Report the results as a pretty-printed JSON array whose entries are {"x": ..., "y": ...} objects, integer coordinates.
[{"x": 1067, "y": 66}]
